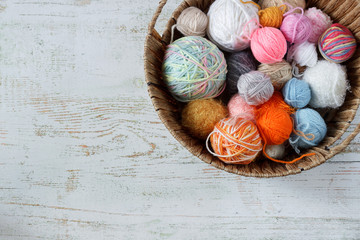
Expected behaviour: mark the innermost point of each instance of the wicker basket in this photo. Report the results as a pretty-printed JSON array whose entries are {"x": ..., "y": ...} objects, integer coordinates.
[{"x": 346, "y": 12}]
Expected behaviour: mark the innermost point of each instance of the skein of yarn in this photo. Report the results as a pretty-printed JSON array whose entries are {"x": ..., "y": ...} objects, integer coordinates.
[
  {"x": 268, "y": 45},
  {"x": 255, "y": 87},
  {"x": 194, "y": 68},
  {"x": 238, "y": 107},
  {"x": 279, "y": 73},
  {"x": 235, "y": 141},
  {"x": 320, "y": 21},
  {"x": 227, "y": 19},
  {"x": 272, "y": 16},
  {"x": 275, "y": 151},
  {"x": 192, "y": 22},
  {"x": 310, "y": 129},
  {"x": 238, "y": 64},
  {"x": 296, "y": 27},
  {"x": 328, "y": 83},
  {"x": 337, "y": 44},
  {"x": 297, "y": 93},
  {"x": 271, "y": 3},
  {"x": 304, "y": 54},
  {"x": 200, "y": 116}
]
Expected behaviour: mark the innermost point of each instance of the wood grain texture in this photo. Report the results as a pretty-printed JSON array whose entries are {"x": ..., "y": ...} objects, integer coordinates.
[{"x": 83, "y": 154}]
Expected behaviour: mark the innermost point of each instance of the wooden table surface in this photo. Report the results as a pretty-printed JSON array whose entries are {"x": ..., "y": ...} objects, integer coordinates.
[{"x": 83, "y": 154}]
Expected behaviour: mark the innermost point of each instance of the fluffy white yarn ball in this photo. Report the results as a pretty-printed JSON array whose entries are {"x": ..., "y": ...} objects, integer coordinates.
[
  {"x": 304, "y": 54},
  {"x": 328, "y": 83},
  {"x": 227, "y": 19},
  {"x": 275, "y": 151}
]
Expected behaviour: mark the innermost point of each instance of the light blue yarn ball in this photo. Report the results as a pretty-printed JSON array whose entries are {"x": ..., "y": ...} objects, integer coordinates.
[
  {"x": 310, "y": 129},
  {"x": 297, "y": 93},
  {"x": 194, "y": 68}
]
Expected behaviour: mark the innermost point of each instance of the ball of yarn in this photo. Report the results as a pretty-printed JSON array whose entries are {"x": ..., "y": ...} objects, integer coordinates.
[
  {"x": 277, "y": 101},
  {"x": 238, "y": 64},
  {"x": 296, "y": 27},
  {"x": 279, "y": 73},
  {"x": 235, "y": 141},
  {"x": 304, "y": 54},
  {"x": 271, "y": 3},
  {"x": 310, "y": 129},
  {"x": 328, "y": 83},
  {"x": 194, "y": 68},
  {"x": 268, "y": 45},
  {"x": 200, "y": 116},
  {"x": 337, "y": 44},
  {"x": 275, "y": 151},
  {"x": 192, "y": 22},
  {"x": 272, "y": 16},
  {"x": 227, "y": 20},
  {"x": 238, "y": 107},
  {"x": 320, "y": 21},
  {"x": 255, "y": 87},
  {"x": 275, "y": 125},
  {"x": 297, "y": 93}
]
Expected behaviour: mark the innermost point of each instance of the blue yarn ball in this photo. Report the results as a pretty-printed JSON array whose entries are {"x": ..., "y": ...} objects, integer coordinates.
[
  {"x": 310, "y": 129},
  {"x": 297, "y": 93}
]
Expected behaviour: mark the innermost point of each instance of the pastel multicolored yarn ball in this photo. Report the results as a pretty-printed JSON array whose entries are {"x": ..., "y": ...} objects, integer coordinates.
[
  {"x": 328, "y": 83},
  {"x": 279, "y": 73},
  {"x": 320, "y": 21},
  {"x": 227, "y": 21},
  {"x": 235, "y": 141},
  {"x": 192, "y": 22},
  {"x": 296, "y": 27},
  {"x": 200, "y": 116},
  {"x": 194, "y": 68},
  {"x": 237, "y": 106},
  {"x": 297, "y": 93},
  {"x": 337, "y": 44},
  {"x": 310, "y": 129},
  {"x": 255, "y": 87},
  {"x": 268, "y": 45},
  {"x": 272, "y": 16}
]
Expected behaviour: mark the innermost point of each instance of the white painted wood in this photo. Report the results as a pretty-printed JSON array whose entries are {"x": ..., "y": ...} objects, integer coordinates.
[{"x": 83, "y": 154}]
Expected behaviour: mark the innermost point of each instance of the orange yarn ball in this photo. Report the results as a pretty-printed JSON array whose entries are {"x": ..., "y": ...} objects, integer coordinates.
[
  {"x": 277, "y": 101},
  {"x": 200, "y": 116},
  {"x": 272, "y": 16},
  {"x": 235, "y": 141},
  {"x": 275, "y": 124}
]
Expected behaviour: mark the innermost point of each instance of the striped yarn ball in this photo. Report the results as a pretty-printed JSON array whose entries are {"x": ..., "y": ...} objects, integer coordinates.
[
  {"x": 235, "y": 141},
  {"x": 337, "y": 44},
  {"x": 194, "y": 68}
]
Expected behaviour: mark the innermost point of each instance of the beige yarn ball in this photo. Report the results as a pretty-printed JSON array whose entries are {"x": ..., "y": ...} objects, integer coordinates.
[
  {"x": 275, "y": 151},
  {"x": 192, "y": 22},
  {"x": 279, "y": 73},
  {"x": 271, "y": 3}
]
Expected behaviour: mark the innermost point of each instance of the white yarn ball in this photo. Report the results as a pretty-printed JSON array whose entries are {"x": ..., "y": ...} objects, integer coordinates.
[
  {"x": 304, "y": 54},
  {"x": 255, "y": 87},
  {"x": 227, "y": 19},
  {"x": 275, "y": 151},
  {"x": 328, "y": 83},
  {"x": 192, "y": 22}
]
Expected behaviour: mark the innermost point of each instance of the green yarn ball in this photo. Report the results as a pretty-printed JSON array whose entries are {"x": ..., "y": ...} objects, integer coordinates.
[{"x": 194, "y": 68}]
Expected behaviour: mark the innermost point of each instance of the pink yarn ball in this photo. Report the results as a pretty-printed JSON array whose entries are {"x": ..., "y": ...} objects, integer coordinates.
[
  {"x": 237, "y": 106},
  {"x": 296, "y": 28},
  {"x": 268, "y": 45},
  {"x": 320, "y": 21}
]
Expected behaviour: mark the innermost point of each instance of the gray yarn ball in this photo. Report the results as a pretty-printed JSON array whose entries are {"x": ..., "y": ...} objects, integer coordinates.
[{"x": 238, "y": 64}]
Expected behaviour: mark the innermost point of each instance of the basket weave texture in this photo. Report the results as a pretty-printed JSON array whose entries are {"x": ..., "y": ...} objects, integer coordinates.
[{"x": 346, "y": 12}]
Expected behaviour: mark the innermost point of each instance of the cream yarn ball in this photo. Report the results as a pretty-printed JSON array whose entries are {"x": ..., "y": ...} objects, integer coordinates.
[
  {"x": 279, "y": 73},
  {"x": 275, "y": 151},
  {"x": 328, "y": 83},
  {"x": 271, "y": 3},
  {"x": 304, "y": 54},
  {"x": 192, "y": 22},
  {"x": 227, "y": 21}
]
